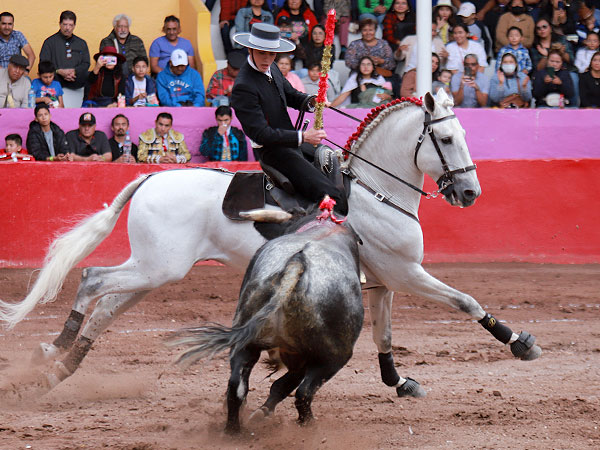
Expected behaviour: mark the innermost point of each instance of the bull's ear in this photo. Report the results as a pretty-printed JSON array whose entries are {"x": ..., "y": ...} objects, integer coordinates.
[
  {"x": 266, "y": 215},
  {"x": 429, "y": 103}
]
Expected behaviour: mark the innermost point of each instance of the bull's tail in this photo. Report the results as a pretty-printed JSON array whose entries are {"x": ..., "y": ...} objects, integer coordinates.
[
  {"x": 65, "y": 252},
  {"x": 209, "y": 340}
]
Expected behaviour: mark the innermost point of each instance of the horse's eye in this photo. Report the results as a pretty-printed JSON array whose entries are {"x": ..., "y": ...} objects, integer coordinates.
[{"x": 447, "y": 140}]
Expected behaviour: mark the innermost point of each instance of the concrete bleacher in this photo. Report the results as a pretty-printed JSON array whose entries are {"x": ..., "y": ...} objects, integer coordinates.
[{"x": 220, "y": 57}]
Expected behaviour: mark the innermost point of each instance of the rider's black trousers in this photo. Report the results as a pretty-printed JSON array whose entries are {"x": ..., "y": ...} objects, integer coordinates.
[{"x": 306, "y": 178}]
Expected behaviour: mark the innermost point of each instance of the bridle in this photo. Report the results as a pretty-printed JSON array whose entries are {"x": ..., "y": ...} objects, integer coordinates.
[
  {"x": 446, "y": 180},
  {"x": 444, "y": 183}
]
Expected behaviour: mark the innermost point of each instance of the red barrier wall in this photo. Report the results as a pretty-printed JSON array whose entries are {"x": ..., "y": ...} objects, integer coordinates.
[{"x": 534, "y": 211}]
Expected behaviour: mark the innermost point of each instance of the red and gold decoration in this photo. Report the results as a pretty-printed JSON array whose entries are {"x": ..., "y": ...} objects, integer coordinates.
[
  {"x": 325, "y": 66},
  {"x": 373, "y": 114}
]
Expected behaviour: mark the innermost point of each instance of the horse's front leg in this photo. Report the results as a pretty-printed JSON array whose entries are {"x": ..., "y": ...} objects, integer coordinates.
[
  {"x": 380, "y": 308},
  {"x": 421, "y": 283}
]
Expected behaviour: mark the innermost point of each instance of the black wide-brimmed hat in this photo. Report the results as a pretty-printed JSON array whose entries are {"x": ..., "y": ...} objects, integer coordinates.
[{"x": 264, "y": 37}]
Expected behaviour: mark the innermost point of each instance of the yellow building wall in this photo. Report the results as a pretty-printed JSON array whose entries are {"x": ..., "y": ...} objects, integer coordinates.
[{"x": 38, "y": 20}]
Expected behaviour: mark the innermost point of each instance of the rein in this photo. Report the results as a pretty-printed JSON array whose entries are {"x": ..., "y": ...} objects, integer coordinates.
[{"x": 444, "y": 182}]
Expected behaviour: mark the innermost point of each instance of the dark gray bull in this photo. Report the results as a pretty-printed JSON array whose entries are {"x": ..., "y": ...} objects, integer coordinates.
[{"x": 300, "y": 296}]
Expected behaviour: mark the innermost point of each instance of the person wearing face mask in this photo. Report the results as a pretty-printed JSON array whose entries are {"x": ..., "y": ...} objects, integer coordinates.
[
  {"x": 509, "y": 87},
  {"x": 515, "y": 17}
]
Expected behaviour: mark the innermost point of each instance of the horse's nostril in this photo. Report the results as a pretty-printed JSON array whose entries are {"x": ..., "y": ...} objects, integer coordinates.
[{"x": 469, "y": 194}]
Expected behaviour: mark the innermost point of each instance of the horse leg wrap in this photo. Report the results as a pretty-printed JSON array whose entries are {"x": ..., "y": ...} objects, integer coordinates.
[
  {"x": 499, "y": 331},
  {"x": 388, "y": 372},
  {"x": 522, "y": 344},
  {"x": 77, "y": 353},
  {"x": 70, "y": 330}
]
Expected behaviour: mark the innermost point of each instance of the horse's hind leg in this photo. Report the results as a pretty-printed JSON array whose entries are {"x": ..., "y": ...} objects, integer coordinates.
[
  {"x": 94, "y": 280},
  {"x": 421, "y": 283},
  {"x": 241, "y": 362},
  {"x": 380, "y": 309},
  {"x": 109, "y": 307},
  {"x": 280, "y": 389}
]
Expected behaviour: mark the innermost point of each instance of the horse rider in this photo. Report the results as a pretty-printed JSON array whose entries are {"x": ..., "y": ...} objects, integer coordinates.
[{"x": 260, "y": 98}]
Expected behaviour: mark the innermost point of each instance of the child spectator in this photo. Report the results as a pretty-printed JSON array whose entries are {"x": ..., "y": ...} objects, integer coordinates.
[
  {"x": 45, "y": 140},
  {"x": 13, "y": 151},
  {"x": 587, "y": 23},
  {"x": 311, "y": 82},
  {"x": 444, "y": 17},
  {"x": 442, "y": 82},
  {"x": 589, "y": 84},
  {"x": 140, "y": 88},
  {"x": 284, "y": 62},
  {"x": 224, "y": 142},
  {"x": 47, "y": 89},
  {"x": 583, "y": 57},
  {"x": 516, "y": 16},
  {"x": 515, "y": 46}
]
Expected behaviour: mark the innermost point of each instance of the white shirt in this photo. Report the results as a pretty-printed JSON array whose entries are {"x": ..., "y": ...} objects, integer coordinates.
[
  {"x": 456, "y": 55},
  {"x": 139, "y": 87}
]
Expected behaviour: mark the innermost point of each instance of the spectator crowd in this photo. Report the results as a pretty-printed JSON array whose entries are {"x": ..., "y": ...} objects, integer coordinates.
[{"x": 498, "y": 53}]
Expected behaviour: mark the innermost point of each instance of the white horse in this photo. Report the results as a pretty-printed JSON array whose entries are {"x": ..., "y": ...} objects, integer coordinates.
[{"x": 175, "y": 220}]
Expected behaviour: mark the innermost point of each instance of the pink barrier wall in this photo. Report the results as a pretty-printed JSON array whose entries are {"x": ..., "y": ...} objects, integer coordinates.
[
  {"x": 491, "y": 133},
  {"x": 535, "y": 211}
]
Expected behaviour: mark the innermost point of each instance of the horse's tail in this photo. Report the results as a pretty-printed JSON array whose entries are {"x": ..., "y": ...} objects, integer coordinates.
[
  {"x": 209, "y": 340},
  {"x": 65, "y": 252}
]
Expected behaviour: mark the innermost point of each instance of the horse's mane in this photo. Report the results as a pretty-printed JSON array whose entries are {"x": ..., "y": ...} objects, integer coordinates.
[{"x": 376, "y": 115}]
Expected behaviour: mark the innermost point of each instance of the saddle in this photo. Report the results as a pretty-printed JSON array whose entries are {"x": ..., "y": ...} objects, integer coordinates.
[{"x": 254, "y": 189}]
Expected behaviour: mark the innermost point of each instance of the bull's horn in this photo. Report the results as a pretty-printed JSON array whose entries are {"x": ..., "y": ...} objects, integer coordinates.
[{"x": 266, "y": 215}]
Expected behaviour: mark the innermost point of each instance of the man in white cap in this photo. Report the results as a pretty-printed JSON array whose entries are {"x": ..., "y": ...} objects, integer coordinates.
[
  {"x": 179, "y": 84},
  {"x": 467, "y": 13},
  {"x": 260, "y": 99}
]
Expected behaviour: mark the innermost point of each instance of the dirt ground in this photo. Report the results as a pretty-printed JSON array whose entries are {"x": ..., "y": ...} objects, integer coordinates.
[{"x": 128, "y": 395}]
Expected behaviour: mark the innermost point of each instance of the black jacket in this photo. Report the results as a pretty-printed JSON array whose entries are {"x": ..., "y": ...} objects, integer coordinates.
[
  {"x": 37, "y": 145},
  {"x": 589, "y": 91},
  {"x": 261, "y": 107}
]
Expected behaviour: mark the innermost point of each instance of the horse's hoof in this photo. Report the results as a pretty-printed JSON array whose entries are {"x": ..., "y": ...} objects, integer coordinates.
[
  {"x": 58, "y": 374},
  {"x": 233, "y": 429},
  {"x": 44, "y": 353},
  {"x": 531, "y": 354},
  {"x": 259, "y": 415},
  {"x": 524, "y": 347},
  {"x": 410, "y": 388}
]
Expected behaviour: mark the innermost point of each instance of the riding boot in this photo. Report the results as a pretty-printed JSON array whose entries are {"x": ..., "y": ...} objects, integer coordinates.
[{"x": 327, "y": 161}]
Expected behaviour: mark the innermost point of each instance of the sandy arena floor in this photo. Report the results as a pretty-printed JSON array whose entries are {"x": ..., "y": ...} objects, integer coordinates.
[{"x": 128, "y": 395}]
